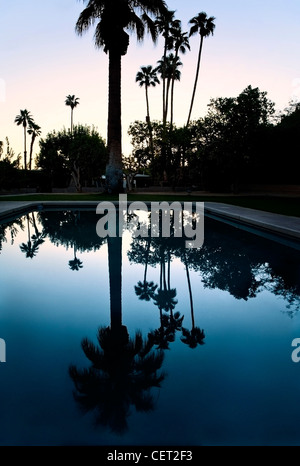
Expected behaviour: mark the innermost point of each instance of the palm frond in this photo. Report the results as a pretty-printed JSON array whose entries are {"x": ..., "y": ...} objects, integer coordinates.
[{"x": 86, "y": 19}]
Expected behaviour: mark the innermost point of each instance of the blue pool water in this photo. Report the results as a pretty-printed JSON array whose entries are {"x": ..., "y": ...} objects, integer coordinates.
[{"x": 125, "y": 341}]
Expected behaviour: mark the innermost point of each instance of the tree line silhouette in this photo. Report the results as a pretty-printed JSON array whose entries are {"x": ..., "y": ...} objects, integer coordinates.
[
  {"x": 212, "y": 153},
  {"x": 230, "y": 259}
]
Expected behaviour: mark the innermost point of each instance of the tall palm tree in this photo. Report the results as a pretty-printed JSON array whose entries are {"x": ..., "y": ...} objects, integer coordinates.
[
  {"x": 25, "y": 119},
  {"x": 34, "y": 130},
  {"x": 147, "y": 77},
  {"x": 181, "y": 44},
  {"x": 72, "y": 101},
  {"x": 166, "y": 25},
  {"x": 205, "y": 27},
  {"x": 168, "y": 67},
  {"x": 113, "y": 19}
]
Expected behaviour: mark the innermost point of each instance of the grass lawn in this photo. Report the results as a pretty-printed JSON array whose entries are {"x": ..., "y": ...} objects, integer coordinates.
[{"x": 276, "y": 204}]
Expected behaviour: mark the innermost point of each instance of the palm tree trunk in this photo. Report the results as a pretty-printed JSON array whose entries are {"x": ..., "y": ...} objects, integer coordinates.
[
  {"x": 164, "y": 83},
  {"x": 149, "y": 123},
  {"x": 28, "y": 228},
  {"x": 147, "y": 258},
  {"x": 25, "y": 152},
  {"x": 75, "y": 173},
  {"x": 37, "y": 233},
  {"x": 190, "y": 290},
  {"x": 172, "y": 88},
  {"x": 172, "y": 103},
  {"x": 147, "y": 103},
  {"x": 114, "y": 131},
  {"x": 196, "y": 80},
  {"x": 169, "y": 270},
  {"x": 31, "y": 150},
  {"x": 71, "y": 120},
  {"x": 115, "y": 281},
  {"x": 167, "y": 97}
]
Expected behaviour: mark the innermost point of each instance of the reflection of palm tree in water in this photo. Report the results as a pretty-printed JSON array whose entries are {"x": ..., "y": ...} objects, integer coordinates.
[
  {"x": 34, "y": 241},
  {"x": 194, "y": 336},
  {"x": 122, "y": 370},
  {"x": 75, "y": 264},
  {"x": 145, "y": 290},
  {"x": 121, "y": 374},
  {"x": 165, "y": 300}
]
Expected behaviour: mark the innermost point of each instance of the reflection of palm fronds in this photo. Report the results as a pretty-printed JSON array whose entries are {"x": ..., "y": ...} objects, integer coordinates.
[
  {"x": 75, "y": 264},
  {"x": 31, "y": 248},
  {"x": 193, "y": 337},
  {"x": 122, "y": 372},
  {"x": 145, "y": 290},
  {"x": 165, "y": 334},
  {"x": 175, "y": 321},
  {"x": 165, "y": 299},
  {"x": 160, "y": 338}
]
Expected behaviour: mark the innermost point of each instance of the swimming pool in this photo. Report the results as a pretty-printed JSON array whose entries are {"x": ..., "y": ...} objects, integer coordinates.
[{"x": 141, "y": 341}]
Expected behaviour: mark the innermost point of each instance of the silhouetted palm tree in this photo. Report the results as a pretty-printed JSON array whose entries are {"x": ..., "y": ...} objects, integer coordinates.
[
  {"x": 161, "y": 337},
  {"x": 194, "y": 336},
  {"x": 31, "y": 247},
  {"x": 169, "y": 67},
  {"x": 166, "y": 25},
  {"x": 175, "y": 323},
  {"x": 145, "y": 290},
  {"x": 147, "y": 77},
  {"x": 165, "y": 300},
  {"x": 34, "y": 130},
  {"x": 181, "y": 44},
  {"x": 75, "y": 264},
  {"x": 122, "y": 370},
  {"x": 113, "y": 19},
  {"x": 72, "y": 101},
  {"x": 25, "y": 119},
  {"x": 121, "y": 375},
  {"x": 204, "y": 26}
]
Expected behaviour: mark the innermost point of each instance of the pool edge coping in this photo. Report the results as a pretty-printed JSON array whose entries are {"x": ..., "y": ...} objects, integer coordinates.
[{"x": 267, "y": 221}]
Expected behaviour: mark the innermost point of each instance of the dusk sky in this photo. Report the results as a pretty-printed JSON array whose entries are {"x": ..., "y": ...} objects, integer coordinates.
[{"x": 256, "y": 42}]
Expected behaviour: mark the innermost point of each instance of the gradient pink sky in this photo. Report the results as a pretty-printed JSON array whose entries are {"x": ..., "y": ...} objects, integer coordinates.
[{"x": 255, "y": 43}]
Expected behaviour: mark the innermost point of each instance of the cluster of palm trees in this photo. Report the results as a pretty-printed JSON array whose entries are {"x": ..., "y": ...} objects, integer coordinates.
[
  {"x": 112, "y": 20},
  {"x": 26, "y": 120},
  {"x": 163, "y": 295},
  {"x": 175, "y": 41},
  {"x": 31, "y": 248}
]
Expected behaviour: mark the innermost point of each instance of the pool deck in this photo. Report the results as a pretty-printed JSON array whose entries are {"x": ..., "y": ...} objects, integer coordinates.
[{"x": 279, "y": 224}]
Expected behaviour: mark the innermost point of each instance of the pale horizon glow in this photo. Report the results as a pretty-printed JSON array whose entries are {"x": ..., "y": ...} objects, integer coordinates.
[{"x": 43, "y": 60}]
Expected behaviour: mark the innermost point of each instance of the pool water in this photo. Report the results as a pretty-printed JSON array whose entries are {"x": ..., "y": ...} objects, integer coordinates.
[{"x": 141, "y": 341}]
